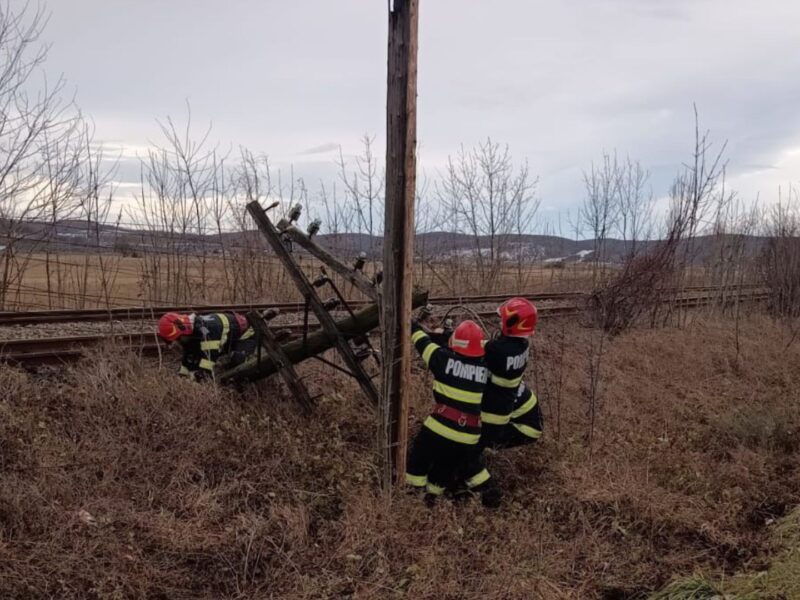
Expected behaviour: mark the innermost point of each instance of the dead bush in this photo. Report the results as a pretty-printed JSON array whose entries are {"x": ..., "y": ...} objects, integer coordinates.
[
  {"x": 780, "y": 260},
  {"x": 637, "y": 290},
  {"x": 761, "y": 427}
]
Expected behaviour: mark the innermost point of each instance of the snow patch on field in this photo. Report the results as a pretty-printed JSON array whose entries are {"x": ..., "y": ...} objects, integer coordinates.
[{"x": 578, "y": 256}]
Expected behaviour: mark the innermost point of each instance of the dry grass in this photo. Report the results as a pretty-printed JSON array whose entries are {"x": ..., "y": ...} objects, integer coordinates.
[
  {"x": 91, "y": 281},
  {"x": 454, "y": 278},
  {"x": 780, "y": 580},
  {"x": 112, "y": 280},
  {"x": 694, "y": 588},
  {"x": 194, "y": 492}
]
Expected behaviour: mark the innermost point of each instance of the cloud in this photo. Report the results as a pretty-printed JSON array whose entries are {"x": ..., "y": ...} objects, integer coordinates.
[
  {"x": 561, "y": 82},
  {"x": 321, "y": 149}
]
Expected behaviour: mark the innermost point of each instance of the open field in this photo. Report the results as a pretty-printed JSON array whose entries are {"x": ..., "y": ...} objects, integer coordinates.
[
  {"x": 111, "y": 280},
  {"x": 119, "y": 480},
  {"x": 101, "y": 281},
  {"x": 89, "y": 281}
]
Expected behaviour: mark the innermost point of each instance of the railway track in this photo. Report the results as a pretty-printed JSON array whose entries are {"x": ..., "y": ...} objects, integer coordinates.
[
  {"x": 141, "y": 313},
  {"x": 57, "y": 350},
  {"x": 8, "y": 318}
]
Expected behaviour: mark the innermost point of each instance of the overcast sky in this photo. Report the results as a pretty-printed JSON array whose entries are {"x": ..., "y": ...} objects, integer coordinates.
[{"x": 559, "y": 81}]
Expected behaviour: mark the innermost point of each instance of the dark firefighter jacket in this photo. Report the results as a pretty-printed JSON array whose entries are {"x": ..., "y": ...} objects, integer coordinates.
[
  {"x": 506, "y": 400},
  {"x": 458, "y": 383},
  {"x": 213, "y": 335}
]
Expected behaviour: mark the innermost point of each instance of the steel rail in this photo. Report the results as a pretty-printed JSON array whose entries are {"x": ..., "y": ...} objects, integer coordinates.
[
  {"x": 56, "y": 350},
  {"x": 141, "y": 313},
  {"x": 144, "y": 313}
]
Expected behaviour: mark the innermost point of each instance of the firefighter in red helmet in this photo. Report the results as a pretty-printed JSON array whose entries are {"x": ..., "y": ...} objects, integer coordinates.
[
  {"x": 206, "y": 338},
  {"x": 510, "y": 414},
  {"x": 445, "y": 454}
]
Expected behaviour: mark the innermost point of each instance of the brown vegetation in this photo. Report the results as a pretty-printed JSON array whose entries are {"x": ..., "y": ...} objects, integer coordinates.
[
  {"x": 118, "y": 480},
  {"x": 82, "y": 280},
  {"x": 780, "y": 260}
]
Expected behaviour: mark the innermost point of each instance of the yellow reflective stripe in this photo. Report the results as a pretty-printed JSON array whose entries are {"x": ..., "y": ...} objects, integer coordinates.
[
  {"x": 184, "y": 370},
  {"x": 226, "y": 328},
  {"x": 527, "y": 430},
  {"x": 210, "y": 345},
  {"x": 417, "y": 336},
  {"x": 506, "y": 383},
  {"x": 478, "y": 479},
  {"x": 451, "y": 434},
  {"x": 416, "y": 480},
  {"x": 493, "y": 419},
  {"x": 206, "y": 364},
  {"x": 248, "y": 333},
  {"x": 428, "y": 352},
  {"x": 434, "y": 489},
  {"x": 525, "y": 408},
  {"x": 457, "y": 394}
]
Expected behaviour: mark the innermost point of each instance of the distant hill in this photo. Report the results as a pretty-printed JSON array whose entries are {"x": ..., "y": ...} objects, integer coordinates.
[
  {"x": 529, "y": 248},
  {"x": 79, "y": 236}
]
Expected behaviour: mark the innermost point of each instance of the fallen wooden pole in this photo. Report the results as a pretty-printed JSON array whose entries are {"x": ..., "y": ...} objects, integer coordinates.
[
  {"x": 314, "y": 302},
  {"x": 363, "y": 321},
  {"x": 358, "y": 279},
  {"x": 279, "y": 359}
]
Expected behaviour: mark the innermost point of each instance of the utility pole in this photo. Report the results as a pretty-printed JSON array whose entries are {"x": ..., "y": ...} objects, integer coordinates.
[{"x": 398, "y": 240}]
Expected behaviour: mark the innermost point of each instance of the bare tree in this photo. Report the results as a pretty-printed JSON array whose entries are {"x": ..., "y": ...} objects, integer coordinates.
[
  {"x": 646, "y": 280},
  {"x": 728, "y": 263},
  {"x": 780, "y": 259},
  {"x": 485, "y": 195},
  {"x": 600, "y": 211},
  {"x": 40, "y": 146},
  {"x": 634, "y": 222},
  {"x": 363, "y": 180},
  {"x": 182, "y": 182},
  {"x": 693, "y": 196},
  {"x": 425, "y": 218},
  {"x": 96, "y": 201},
  {"x": 259, "y": 275}
]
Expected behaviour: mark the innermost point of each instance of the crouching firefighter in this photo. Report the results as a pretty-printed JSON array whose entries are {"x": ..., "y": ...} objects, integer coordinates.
[
  {"x": 510, "y": 413},
  {"x": 445, "y": 455},
  {"x": 207, "y": 340}
]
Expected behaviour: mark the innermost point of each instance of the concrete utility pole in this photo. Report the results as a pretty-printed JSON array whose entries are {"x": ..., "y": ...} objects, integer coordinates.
[{"x": 398, "y": 240}]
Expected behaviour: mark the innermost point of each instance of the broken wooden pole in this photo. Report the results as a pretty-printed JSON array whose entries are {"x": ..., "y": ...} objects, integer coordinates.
[
  {"x": 398, "y": 238},
  {"x": 362, "y": 322},
  {"x": 306, "y": 289},
  {"x": 359, "y": 280},
  {"x": 269, "y": 343}
]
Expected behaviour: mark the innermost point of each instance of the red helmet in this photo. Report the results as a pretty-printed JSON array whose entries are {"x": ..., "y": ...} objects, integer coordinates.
[
  {"x": 468, "y": 339},
  {"x": 518, "y": 317},
  {"x": 172, "y": 325}
]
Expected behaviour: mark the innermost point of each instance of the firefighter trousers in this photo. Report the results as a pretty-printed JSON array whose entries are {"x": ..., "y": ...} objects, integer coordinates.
[
  {"x": 516, "y": 433},
  {"x": 436, "y": 464}
]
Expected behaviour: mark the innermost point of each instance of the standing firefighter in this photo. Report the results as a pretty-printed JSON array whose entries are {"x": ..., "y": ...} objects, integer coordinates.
[
  {"x": 206, "y": 339},
  {"x": 445, "y": 454},
  {"x": 510, "y": 414}
]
